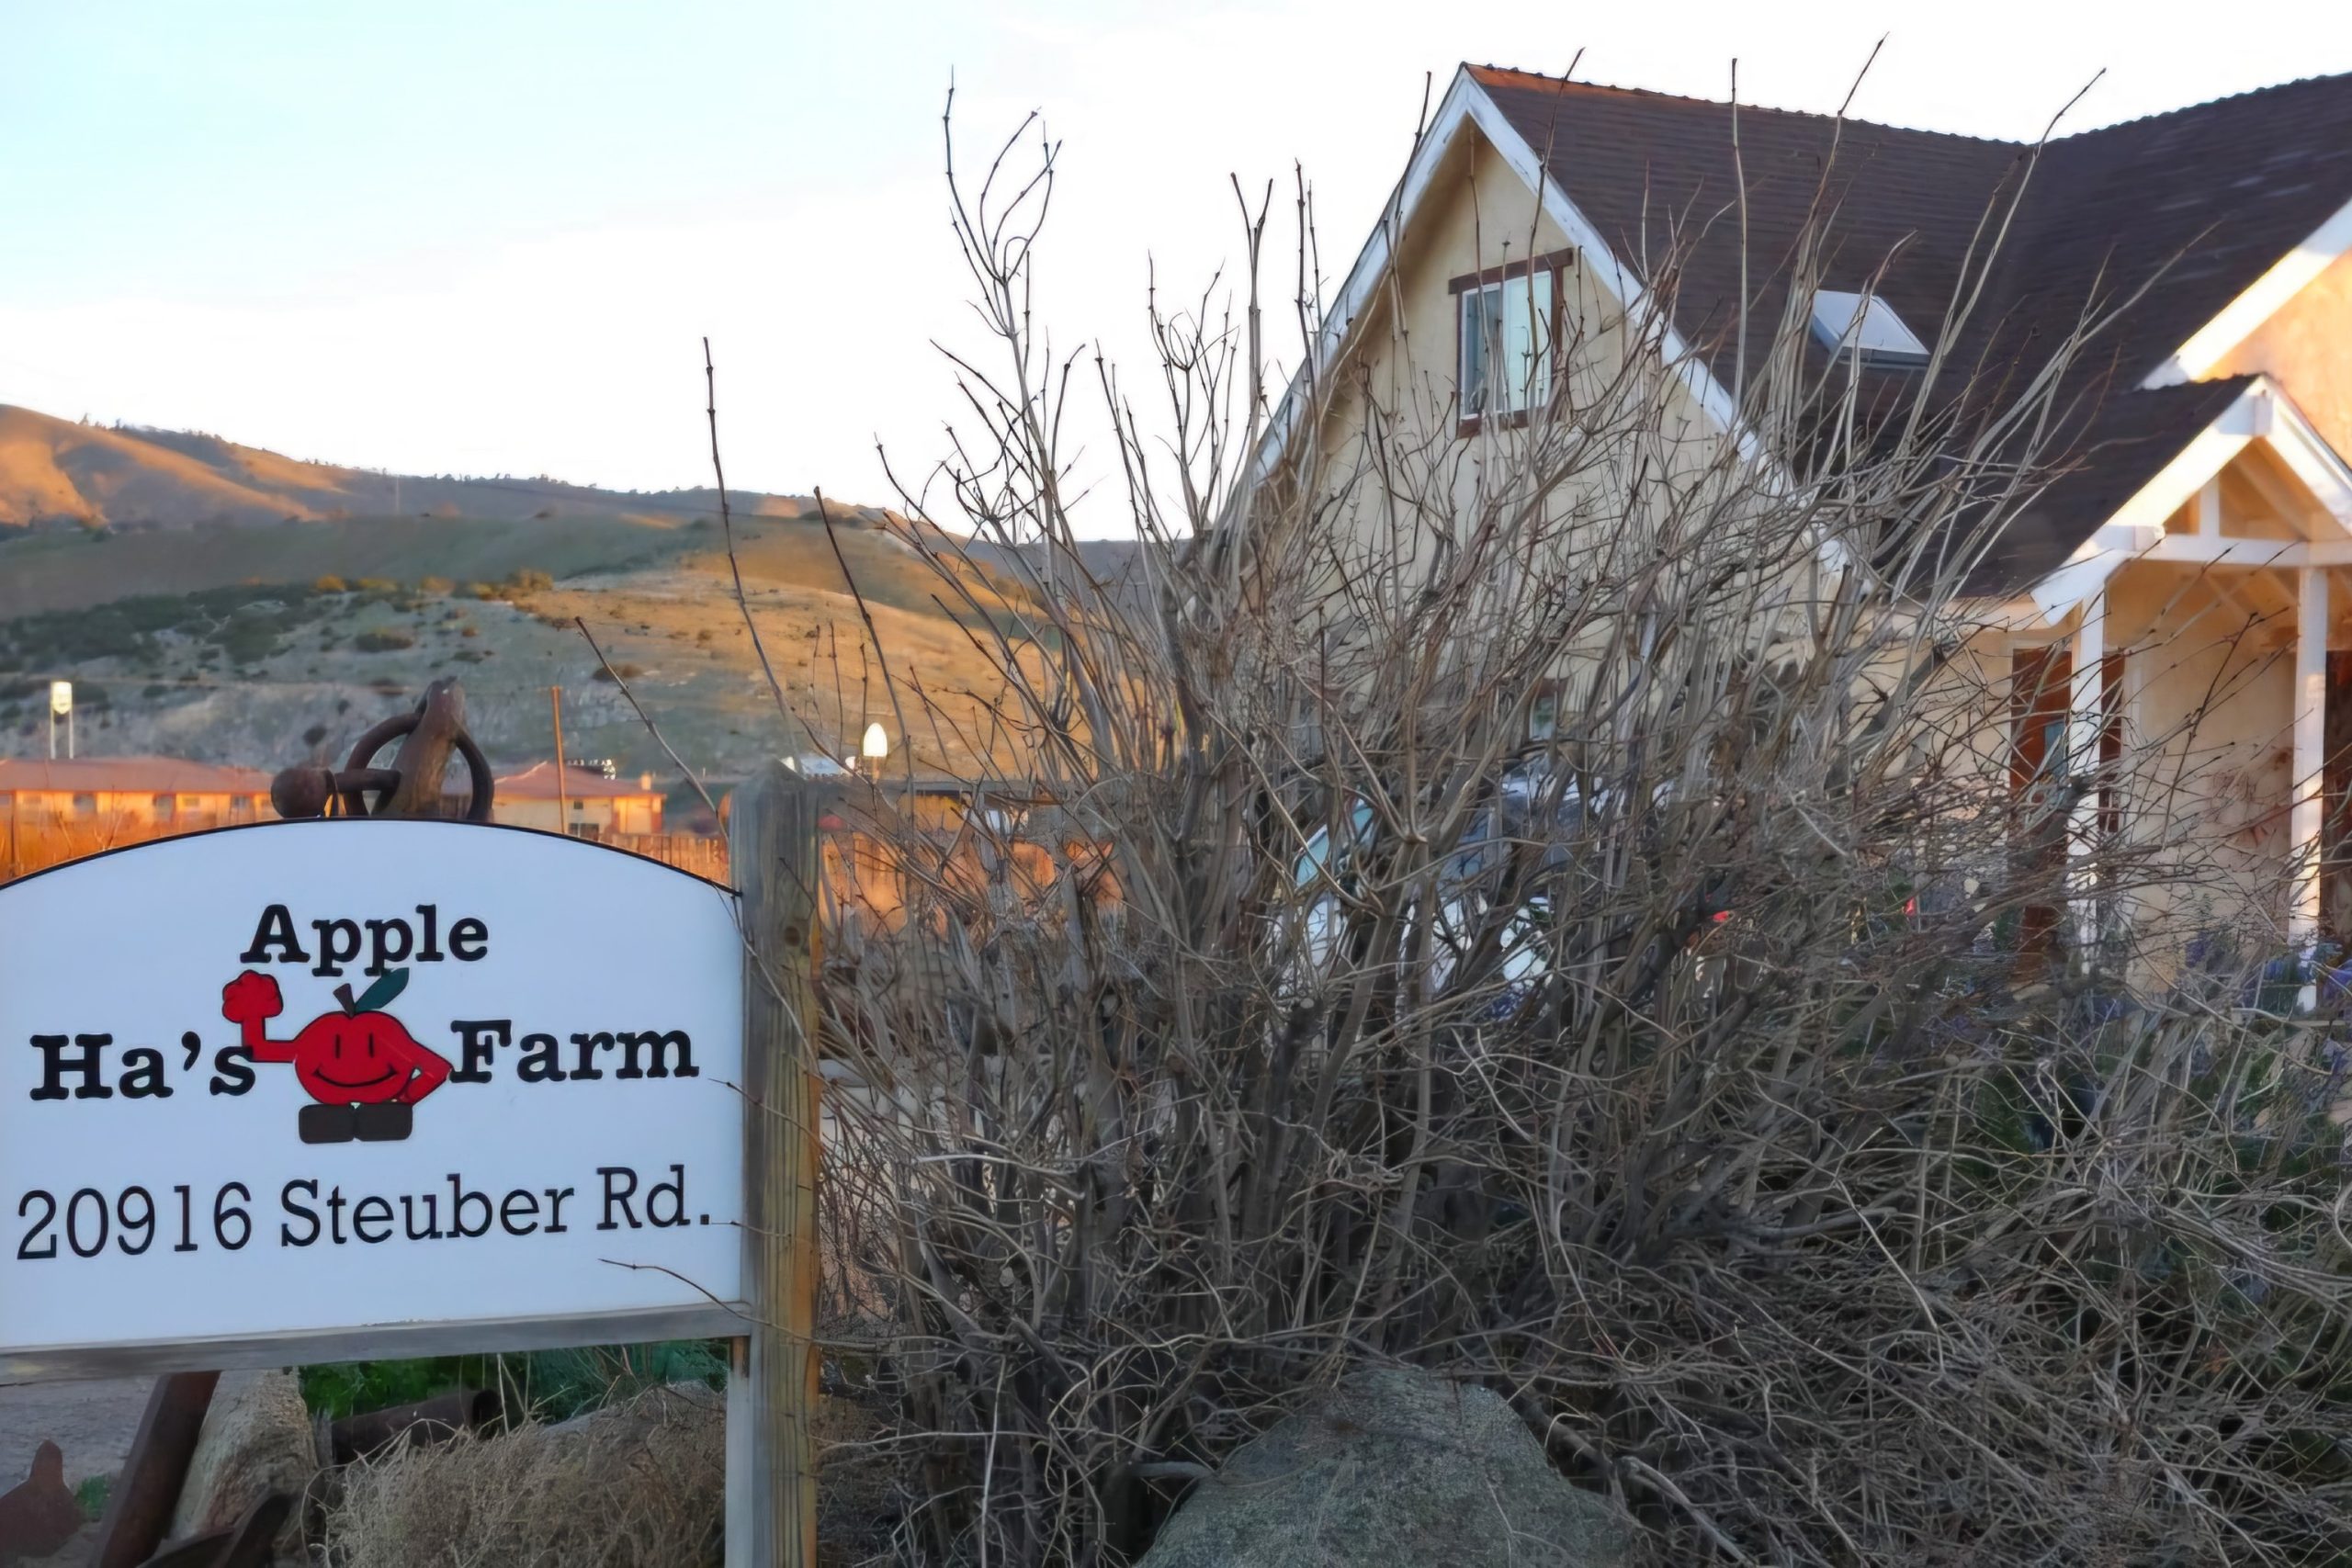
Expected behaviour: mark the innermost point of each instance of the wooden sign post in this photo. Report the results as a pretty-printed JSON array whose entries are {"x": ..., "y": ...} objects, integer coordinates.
[{"x": 772, "y": 1393}]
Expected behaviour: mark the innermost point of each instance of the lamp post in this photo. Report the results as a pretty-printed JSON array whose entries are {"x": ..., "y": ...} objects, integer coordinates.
[{"x": 61, "y": 705}]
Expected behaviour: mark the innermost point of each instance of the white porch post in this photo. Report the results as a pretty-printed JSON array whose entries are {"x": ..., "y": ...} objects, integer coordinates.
[
  {"x": 2310, "y": 741},
  {"x": 2086, "y": 719}
]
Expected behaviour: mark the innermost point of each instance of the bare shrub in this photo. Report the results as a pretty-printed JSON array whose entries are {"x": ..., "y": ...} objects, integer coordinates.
[{"x": 1557, "y": 921}]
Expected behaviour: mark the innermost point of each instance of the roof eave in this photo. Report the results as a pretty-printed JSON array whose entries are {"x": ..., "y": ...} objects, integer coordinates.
[{"x": 2197, "y": 360}]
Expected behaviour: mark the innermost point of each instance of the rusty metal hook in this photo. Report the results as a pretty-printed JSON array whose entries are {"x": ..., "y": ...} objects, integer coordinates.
[{"x": 412, "y": 785}]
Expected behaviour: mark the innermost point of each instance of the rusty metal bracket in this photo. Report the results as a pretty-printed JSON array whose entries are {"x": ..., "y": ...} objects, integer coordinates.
[
  {"x": 139, "y": 1510},
  {"x": 412, "y": 785},
  {"x": 39, "y": 1517},
  {"x": 429, "y": 1421},
  {"x": 249, "y": 1543}
]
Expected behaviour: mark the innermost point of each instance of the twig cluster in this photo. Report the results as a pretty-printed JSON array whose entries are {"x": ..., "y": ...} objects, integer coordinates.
[{"x": 1551, "y": 905}]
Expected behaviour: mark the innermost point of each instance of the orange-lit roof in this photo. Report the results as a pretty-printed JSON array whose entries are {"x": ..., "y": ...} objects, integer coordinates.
[
  {"x": 126, "y": 775},
  {"x": 538, "y": 783}
]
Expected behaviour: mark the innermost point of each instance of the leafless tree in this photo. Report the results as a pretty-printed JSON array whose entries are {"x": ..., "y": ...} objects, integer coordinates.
[{"x": 1564, "y": 924}]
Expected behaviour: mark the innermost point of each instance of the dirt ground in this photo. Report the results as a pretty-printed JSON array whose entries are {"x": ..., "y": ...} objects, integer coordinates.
[{"x": 92, "y": 1422}]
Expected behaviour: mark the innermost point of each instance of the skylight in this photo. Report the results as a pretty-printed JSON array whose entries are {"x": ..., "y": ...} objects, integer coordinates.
[{"x": 1867, "y": 327}]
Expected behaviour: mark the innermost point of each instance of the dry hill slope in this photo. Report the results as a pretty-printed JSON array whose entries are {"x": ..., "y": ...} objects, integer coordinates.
[{"x": 56, "y": 471}]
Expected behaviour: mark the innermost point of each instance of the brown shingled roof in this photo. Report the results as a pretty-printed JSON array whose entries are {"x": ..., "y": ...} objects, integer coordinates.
[{"x": 2187, "y": 210}]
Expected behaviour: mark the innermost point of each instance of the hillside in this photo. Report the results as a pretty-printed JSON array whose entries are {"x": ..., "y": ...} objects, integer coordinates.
[
  {"x": 53, "y": 471},
  {"x": 225, "y": 604}
]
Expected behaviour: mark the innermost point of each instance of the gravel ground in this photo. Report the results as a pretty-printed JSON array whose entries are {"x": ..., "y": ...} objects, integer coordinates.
[{"x": 92, "y": 1422}]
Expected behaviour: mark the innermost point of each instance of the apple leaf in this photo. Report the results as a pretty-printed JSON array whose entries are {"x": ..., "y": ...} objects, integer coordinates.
[{"x": 381, "y": 993}]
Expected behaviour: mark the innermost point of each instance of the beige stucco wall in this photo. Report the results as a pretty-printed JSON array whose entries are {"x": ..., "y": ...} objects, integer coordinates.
[
  {"x": 1392, "y": 397},
  {"x": 606, "y": 814},
  {"x": 206, "y": 807},
  {"x": 2307, "y": 346},
  {"x": 2209, "y": 710}
]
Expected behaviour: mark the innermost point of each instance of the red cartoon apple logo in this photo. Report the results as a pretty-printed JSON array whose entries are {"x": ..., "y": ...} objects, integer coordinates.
[{"x": 362, "y": 1065}]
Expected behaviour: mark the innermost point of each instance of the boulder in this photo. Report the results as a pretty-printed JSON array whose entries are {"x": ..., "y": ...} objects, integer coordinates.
[
  {"x": 257, "y": 1438},
  {"x": 1394, "y": 1467}
]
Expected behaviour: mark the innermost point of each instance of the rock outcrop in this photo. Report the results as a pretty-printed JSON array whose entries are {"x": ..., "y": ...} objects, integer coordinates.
[{"x": 1393, "y": 1468}]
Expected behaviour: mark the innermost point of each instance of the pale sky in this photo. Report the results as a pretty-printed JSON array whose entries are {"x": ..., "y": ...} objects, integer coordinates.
[{"x": 488, "y": 236}]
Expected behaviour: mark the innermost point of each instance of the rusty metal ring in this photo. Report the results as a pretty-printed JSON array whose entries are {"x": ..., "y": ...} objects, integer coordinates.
[{"x": 383, "y": 781}]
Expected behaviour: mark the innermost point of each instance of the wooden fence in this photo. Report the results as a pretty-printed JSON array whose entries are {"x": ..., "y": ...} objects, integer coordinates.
[{"x": 31, "y": 842}]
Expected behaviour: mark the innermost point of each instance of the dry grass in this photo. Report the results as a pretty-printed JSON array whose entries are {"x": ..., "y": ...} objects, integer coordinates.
[{"x": 641, "y": 1487}]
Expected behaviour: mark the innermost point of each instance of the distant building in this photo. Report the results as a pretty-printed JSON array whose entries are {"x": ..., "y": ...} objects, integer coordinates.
[
  {"x": 52, "y": 811},
  {"x": 593, "y": 805}
]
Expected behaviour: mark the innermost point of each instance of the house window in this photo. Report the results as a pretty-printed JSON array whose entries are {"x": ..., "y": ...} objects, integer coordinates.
[
  {"x": 165, "y": 804},
  {"x": 1507, "y": 324},
  {"x": 1868, "y": 328},
  {"x": 85, "y": 805},
  {"x": 1544, "y": 713}
]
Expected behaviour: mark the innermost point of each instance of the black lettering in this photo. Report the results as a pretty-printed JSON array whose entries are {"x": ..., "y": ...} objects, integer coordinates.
[
  {"x": 73, "y": 1222},
  {"x": 87, "y": 1061},
  {"x": 143, "y": 1077},
  {"x": 525, "y": 1200},
  {"x": 382, "y": 953},
  {"x": 429, "y": 951},
  {"x": 475, "y": 1037},
  {"x": 338, "y": 945},
  {"x": 458, "y": 1198},
  {"x": 24, "y": 1248},
  {"x": 372, "y": 1211},
  {"x": 540, "y": 1062},
  {"x": 275, "y": 929},
  {"x": 469, "y": 933},
  {"x": 584, "y": 1064},
  {"x": 675, "y": 1189},
  {"x": 286, "y": 1237},
  {"x": 233, "y": 1071},
  {"x": 556, "y": 1195},
  {"x": 432, "y": 1231},
  {"x": 659, "y": 1047},
  {"x": 336, "y": 1201},
  {"x": 616, "y": 1196}
]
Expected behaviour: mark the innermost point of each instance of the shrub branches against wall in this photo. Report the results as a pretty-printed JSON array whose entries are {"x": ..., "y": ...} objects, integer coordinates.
[{"x": 1549, "y": 905}]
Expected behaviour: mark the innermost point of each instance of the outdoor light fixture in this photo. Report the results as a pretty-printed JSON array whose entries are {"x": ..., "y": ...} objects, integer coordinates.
[
  {"x": 61, "y": 705},
  {"x": 876, "y": 747}
]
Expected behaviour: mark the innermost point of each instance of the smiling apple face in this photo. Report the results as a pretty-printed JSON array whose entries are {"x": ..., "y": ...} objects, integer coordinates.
[
  {"x": 355, "y": 1059},
  {"x": 360, "y": 1057}
]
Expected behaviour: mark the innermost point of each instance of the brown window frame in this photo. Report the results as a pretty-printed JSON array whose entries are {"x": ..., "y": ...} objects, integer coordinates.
[{"x": 1556, "y": 262}]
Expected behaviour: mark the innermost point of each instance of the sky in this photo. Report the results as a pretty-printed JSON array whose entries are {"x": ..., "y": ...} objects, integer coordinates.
[{"x": 490, "y": 236}]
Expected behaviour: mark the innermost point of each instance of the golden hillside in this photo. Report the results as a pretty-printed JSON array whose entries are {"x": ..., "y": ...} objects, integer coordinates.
[{"x": 57, "y": 471}]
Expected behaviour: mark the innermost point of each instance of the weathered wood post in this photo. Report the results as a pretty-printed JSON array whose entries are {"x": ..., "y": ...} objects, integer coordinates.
[{"x": 772, "y": 1391}]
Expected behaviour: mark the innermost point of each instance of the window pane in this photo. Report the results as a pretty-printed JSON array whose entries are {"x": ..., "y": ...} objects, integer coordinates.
[
  {"x": 1526, "y": 357},
  {"x": 1476, "y": 326}
]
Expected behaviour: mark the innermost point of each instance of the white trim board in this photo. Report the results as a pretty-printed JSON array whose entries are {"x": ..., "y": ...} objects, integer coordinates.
[
  {"x": 2242, "y": 317},
  {"x": 2136, "y": 530}
]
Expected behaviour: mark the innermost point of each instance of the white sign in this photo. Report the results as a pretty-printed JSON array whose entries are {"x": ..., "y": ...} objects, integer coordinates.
[
  {"x": 60, "y": 697},
  {"x": 334, "y": 1081}
]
